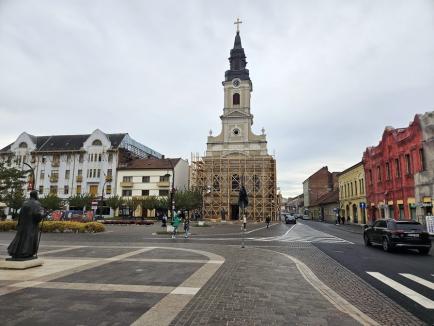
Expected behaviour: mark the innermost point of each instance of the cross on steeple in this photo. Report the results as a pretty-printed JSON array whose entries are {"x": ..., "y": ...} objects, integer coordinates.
[{"x": 238, "y": 22}]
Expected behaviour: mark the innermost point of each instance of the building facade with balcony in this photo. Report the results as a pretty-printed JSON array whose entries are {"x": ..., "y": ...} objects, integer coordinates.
[
  {"x": 151, "y": 177},
  {"x": 66, "y": 165},
  {"x": 352, "y": 194},
  {"x": 389, "y": 171}
]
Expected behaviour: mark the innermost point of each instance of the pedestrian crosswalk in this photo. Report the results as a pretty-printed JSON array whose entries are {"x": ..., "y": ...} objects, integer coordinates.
[
  {"x": 424, "y": 301},
  {"x": 303, "y": 233}
]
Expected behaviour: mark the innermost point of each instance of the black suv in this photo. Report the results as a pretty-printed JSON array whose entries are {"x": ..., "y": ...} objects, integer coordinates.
[{"x": 393, "y": 234}]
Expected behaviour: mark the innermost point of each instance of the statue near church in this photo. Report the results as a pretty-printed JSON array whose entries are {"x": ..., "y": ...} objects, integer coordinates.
[{"x": 26, "y": 242}]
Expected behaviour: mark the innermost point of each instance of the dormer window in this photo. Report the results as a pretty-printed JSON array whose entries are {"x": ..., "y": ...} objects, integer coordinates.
[
  {"x": 22, "y": 145},
  {"x": 97, "y": 142},
  {"x": 236, "y": 99}
]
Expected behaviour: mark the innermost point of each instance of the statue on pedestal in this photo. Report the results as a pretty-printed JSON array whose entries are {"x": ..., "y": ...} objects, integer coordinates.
[{"x": 26, "y": 242}]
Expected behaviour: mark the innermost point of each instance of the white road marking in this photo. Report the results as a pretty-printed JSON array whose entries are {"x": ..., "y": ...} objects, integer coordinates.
[
  {"x": 413, "y": 295},
  {"x": 419, "y": 280},
  {"x": 303, "y": 233}
]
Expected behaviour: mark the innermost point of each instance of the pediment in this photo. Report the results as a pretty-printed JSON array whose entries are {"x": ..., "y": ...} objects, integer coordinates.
[{"x": 236, "y": 114}]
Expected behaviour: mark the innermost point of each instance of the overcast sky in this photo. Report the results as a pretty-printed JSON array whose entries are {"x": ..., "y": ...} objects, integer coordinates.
[{"x": 328, "y": 76}]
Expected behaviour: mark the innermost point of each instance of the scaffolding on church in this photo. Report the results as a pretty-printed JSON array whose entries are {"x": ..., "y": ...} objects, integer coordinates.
[{"x": 220, "y": 178}]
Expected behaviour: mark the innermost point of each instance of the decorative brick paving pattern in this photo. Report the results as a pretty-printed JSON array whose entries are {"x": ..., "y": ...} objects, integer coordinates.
[
  {"x": 255, "y": 287},
  {"x": 351, "y": 287}
]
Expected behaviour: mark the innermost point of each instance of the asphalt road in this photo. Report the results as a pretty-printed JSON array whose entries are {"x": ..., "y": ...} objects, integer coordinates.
[{"x": 361, "y": 259}]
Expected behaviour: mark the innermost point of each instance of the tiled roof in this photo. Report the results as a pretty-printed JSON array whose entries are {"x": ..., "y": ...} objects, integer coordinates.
[
  {"x": 66, "y": 142},
  {"x": 150, "y": 164}
]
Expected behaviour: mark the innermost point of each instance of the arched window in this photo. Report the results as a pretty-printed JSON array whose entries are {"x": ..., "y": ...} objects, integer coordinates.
[
  {"x": 22, "y": 145},
  {"x": 216, "y": 183},
  {"x": 236, "y": 99},
  {"x": 97, "y": 142},
  {"x": 256, "y": 183},
  {"x": 235, "y": 182}
]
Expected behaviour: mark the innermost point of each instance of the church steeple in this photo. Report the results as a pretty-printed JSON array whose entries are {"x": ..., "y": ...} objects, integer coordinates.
[{"x": 237, "y": 60}]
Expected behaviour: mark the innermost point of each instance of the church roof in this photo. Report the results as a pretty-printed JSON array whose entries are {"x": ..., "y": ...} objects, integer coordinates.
[{"x": 237, "y": 62}]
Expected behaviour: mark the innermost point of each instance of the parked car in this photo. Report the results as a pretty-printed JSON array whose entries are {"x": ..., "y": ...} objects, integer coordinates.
[
  {"x": 290, "y": 219},
  {"x": 391, "y": 234}
]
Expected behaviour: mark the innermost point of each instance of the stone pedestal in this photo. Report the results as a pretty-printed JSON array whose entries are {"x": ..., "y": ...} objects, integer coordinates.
[{"x": 20, "y": 264}]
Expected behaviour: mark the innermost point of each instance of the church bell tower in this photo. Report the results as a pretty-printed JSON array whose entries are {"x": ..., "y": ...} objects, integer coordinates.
[
  {"x": 236, "y": 137},
  {"x": 237, "y": 157}
]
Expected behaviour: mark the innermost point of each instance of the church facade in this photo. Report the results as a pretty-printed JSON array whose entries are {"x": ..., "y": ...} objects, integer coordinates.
[{"x": 237, "y": 156}]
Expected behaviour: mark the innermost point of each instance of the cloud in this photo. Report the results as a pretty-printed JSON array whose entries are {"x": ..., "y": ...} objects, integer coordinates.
[{"x": 327, "y": 76}]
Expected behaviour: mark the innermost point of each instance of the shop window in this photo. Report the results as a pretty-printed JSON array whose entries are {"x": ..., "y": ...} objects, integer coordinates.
[
  {"x": 391, "y": 211},
  {"x": 401, "y": 211},
  {"x": 412, "y": 208}
]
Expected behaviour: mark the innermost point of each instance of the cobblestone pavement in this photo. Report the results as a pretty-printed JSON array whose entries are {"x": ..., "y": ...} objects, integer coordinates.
[{"x": 119, "y": 278}]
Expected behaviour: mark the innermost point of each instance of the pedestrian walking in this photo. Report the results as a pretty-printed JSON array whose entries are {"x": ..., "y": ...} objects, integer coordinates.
[
  {"x": 164, "y": 220},
  {"x": 176, "y": 220},
  {"x": 338, "y": 219},
  {"x": 268, "y": 220},
  {"x": 244, "y": 222},
  {"x": 186, "y": 227}
]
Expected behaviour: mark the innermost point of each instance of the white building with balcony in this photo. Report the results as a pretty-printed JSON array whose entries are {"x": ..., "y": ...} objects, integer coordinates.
[
  {"x": 151, "y": 177},
  {"x": 75, "y": 164}
]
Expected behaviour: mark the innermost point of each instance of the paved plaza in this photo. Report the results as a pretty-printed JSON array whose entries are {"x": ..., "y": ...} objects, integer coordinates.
[{"x": 132, "y": 275}]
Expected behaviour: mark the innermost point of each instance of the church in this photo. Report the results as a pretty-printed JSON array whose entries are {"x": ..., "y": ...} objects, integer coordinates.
[{"x": 236, "y": 157}]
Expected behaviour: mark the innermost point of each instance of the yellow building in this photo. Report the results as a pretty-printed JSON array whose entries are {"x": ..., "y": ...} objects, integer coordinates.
[{"x": 352, "y": 194}]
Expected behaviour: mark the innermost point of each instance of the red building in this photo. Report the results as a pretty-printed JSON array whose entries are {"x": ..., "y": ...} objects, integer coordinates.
[{"x": 389, "y": 172}]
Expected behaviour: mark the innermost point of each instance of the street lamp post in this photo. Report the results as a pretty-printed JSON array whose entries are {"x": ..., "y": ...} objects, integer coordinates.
[
  {"x": 33, "y": 176},
  {"x": 172, "y": 189},
  {"x": 107, "y": 179}
]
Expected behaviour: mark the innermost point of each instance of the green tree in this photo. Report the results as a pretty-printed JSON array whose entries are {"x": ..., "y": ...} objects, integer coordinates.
[
  {"x": 12, "y": 182},
  {"x": 114, "y": 202},
  {"x": 149, "y": 203},
  {"x": 188, "y": 199},
  {"x": 161, "y": 203},
  {"x": 51, "y": 202},
  {"x": 80, "y": 200},
  {"x": 136, "y": 201}
]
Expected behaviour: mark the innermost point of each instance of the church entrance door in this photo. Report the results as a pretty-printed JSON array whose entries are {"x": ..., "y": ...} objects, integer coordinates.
[{"x": 235, "y": 212}]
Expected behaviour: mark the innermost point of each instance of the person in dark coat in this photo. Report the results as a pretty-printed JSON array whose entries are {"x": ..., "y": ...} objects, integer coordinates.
[{"x": 25, "y": 244}]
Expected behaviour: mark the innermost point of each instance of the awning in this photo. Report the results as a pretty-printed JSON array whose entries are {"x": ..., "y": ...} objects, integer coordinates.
[
  {"x": 390, "y": 202},
  {"x": 427, "y": 199},
  {"x": 400, "y": 202}
]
